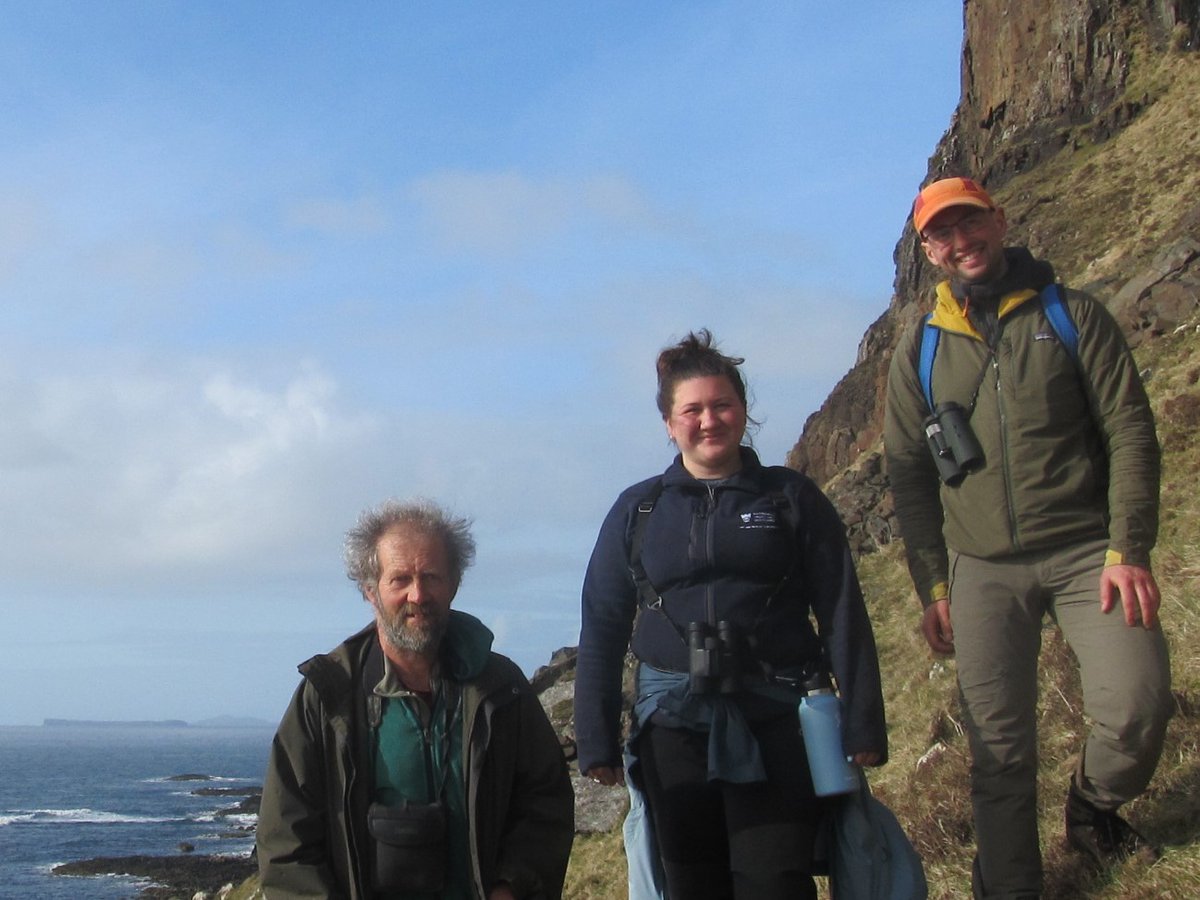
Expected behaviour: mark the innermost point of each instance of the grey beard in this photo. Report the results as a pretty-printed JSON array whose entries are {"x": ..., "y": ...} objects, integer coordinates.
[{"x": 423, "y": 639}]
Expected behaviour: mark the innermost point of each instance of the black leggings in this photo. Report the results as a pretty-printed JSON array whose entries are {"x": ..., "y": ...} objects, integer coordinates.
[{"x": 719, "y": 840}]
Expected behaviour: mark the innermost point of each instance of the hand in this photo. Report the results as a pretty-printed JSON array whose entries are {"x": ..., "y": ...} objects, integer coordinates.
[
  {"x": 501, "y": 892},
  {"x": 867, "y": 758},
  {"x": 607, "y": 775},
  {"x": 935, "y": 625},
  {"x": 1138, "y": 592}
]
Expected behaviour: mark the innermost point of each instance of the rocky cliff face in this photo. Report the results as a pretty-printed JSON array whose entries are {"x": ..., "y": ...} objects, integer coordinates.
[
  {"x": 1033, "y": 72},
  {"x": 1070, "y": 113}
]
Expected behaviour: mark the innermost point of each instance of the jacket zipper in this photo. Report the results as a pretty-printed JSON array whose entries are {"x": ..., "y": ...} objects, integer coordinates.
[
  {"x": 1006, "y": 455},
  {"x": 430, "y": 775},
  {"x": 357, "y": 886},
  {"x": 710, "y": 604}
]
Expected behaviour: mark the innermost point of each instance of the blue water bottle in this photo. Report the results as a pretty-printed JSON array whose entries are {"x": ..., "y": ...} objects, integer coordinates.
[{"x": 821, "y": 726}]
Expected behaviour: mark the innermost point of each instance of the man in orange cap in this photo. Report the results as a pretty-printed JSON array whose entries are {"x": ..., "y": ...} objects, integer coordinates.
[{"x": 1024, "y": 464}]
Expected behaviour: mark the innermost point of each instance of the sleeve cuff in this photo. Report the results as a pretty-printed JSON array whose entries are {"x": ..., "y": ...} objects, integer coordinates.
[
  {"x": 940, "y": 591},
  {"x": 1117, "y": 558}
]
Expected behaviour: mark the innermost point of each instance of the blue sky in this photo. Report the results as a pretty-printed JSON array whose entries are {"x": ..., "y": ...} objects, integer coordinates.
[{"x": 265, "y": 264}]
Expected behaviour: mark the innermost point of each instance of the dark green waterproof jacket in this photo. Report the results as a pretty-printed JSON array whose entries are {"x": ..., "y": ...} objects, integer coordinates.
[
  {"x": 1070, "y": 451},
  {"x": 312, "y": 829}
]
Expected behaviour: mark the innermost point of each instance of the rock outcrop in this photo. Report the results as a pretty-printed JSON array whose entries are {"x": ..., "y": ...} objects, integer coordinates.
[
  {"x": 598, "y": 809},
  {"x": 172, "y": 876}
]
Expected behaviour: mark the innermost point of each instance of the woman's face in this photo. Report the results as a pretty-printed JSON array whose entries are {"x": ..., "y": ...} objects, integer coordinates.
[{"x": 707, "y": 422}]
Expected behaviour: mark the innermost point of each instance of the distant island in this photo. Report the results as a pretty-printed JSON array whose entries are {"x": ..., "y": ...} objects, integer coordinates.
[
  {"x": 216, "y": 722},
  {"x": 98, "y": 723}
]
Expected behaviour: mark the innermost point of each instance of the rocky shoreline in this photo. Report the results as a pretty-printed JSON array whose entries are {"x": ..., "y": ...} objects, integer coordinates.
[{"x": 185, "y": 874}]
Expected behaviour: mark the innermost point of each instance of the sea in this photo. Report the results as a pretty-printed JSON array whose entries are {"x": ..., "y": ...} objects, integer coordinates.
[{"x": 72, "y": 792}]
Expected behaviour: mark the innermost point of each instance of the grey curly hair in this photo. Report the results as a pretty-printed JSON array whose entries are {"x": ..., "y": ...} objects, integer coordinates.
[{"x": 360, "y": 553}]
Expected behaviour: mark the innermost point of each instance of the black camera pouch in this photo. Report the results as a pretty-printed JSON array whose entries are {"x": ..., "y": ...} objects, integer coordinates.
[{"x": 410, "y": 846}]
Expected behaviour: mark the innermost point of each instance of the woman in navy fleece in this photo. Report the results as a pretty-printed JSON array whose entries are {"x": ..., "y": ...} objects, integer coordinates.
[{"x": 753, "y": 559}]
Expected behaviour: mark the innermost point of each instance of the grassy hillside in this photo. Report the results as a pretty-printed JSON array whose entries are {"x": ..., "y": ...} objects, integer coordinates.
[{"x": 1101, "y": 211}]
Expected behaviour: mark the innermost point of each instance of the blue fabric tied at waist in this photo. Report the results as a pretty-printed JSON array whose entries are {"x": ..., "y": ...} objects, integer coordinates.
[{"x": 733, "y": 753}]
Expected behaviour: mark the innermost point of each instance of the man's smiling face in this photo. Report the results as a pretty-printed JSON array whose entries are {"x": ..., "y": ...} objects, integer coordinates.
[{"x": 967, "y": 242}]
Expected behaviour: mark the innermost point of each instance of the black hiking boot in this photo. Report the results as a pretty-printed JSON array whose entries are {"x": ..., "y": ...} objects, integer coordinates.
[{"x": 1103, "y": 835}]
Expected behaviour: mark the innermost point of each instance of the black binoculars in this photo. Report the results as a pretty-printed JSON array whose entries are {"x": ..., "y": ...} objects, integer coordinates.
[
  {"x": 955, "y": 449},
  {"x": 713, "y": 664}
]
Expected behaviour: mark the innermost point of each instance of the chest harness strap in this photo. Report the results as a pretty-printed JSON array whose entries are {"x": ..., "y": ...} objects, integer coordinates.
[{"x": 648, "y": 596}]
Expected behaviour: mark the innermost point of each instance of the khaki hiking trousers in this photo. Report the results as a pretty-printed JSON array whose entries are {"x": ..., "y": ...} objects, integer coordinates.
[{"x": 998, "y": 610}]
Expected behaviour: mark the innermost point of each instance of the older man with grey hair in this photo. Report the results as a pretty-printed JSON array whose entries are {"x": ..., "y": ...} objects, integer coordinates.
[{"x": 413, "y": 761}]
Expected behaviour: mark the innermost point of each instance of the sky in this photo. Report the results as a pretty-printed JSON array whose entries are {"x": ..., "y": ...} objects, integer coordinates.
[{"x": 263, "y": 265}]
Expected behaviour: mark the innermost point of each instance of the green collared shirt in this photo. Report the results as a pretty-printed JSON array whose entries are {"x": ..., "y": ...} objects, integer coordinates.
[{"x": 418, "y": 758}]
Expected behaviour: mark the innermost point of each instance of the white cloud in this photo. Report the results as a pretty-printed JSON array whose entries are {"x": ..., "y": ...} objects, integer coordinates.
[
  {"x": 130, "y": 473},
  {"x": 338, "y": 217},
  {"x": 147, "y": 268},
  {"x": 501, "y": 214},
  {"x": 249, "y": 251},
  {"x": 25, "y": 223}
]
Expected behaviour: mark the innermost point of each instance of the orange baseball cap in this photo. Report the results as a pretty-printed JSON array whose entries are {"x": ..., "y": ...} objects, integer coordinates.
[{"x": 947, "y": 192}]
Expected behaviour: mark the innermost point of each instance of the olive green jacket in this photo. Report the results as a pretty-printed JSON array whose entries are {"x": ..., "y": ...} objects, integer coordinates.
[
  {"x": 312, "y": 835},
  {"x": 1070, "y": 449}
]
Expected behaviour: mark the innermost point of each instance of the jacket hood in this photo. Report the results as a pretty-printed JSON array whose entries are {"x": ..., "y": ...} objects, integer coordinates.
[
  {"x": 466, "y": 646},
  {"x": 1021, "y": 271},
  {"x": 1022, "y": 281},
  {"x": 465, "y": 651},
  {"x": 950, "y": 315}
]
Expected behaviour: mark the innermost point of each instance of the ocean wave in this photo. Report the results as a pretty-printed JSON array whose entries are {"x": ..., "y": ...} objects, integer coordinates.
[
  {"x": 223, "y": 814},
  {"x": 81, "y": 816},
  {"x": 242, "y": 842},
  {"x": 196, "y": 792}
]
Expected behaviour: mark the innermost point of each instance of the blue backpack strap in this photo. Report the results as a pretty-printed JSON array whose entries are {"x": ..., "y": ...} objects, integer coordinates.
[
  {"x": 1053, "y": 304},
  {"x": 1055, "y": 307},
  {"x": 929, "y": 344}
]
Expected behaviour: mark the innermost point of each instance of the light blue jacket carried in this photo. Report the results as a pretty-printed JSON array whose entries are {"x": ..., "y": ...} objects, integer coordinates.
[
  {"x": 870, "y": 856},
  {"x": 867, "y": 852}
]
